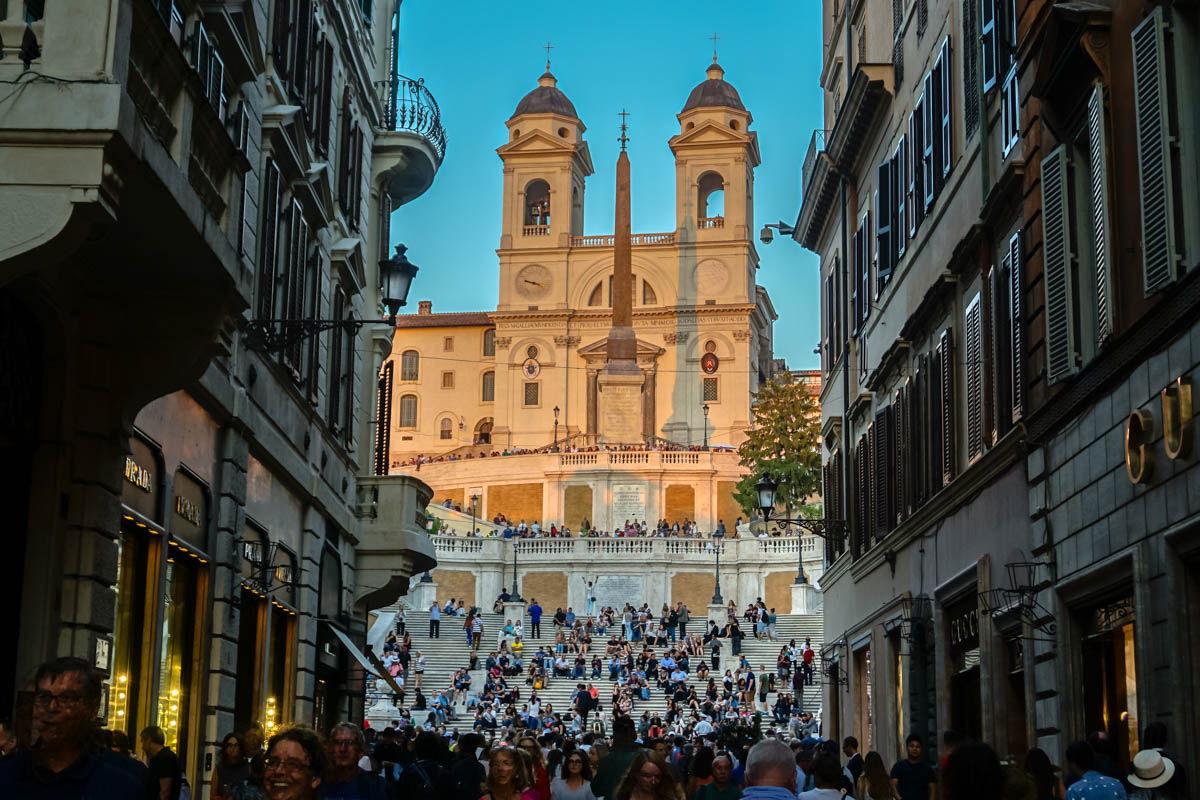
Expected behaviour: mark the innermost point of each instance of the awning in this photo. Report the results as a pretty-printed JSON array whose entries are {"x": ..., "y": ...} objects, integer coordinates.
[
  {"x": 379, "y": 630},
  {"x": 369, "y": 662}
]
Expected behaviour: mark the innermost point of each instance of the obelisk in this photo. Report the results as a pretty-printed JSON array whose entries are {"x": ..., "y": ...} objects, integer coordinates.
[{"x": 621, "y": 381}]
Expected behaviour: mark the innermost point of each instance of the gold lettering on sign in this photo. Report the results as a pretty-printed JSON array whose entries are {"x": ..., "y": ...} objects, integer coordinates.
[
  {"x": 1139, "y": 428},
  {"x": 138, "y": 475},
  {"x": 1177, "y": 418},
  {"x": 187, "y": 509}
]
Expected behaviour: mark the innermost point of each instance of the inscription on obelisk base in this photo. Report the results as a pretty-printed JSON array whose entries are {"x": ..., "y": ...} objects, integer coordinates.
[{"x": 621, "y": 407}]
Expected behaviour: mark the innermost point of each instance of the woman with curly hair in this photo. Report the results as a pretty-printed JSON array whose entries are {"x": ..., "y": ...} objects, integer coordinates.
[
  {"x": 649, "y": 778},
  {"x": 509, "y": 775}
]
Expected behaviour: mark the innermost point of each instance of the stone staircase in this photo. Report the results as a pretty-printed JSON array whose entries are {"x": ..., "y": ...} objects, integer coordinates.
[{"x": 450, "y": 652}]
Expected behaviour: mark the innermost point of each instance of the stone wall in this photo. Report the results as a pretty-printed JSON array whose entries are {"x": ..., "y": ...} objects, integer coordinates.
[
  {"x": 550, "y": 589},
  {"x": 680, "y": 504},
  {"x": 520, "y": 501},
  {"x": 456, "y": 583},
  {"x": 778, "y": 590},
  {"x": 453, "y": 495},
  {"x": 727, "y": 508},
  {"x": 577, "y": 502},
  {"x": 693, "y": 588}
]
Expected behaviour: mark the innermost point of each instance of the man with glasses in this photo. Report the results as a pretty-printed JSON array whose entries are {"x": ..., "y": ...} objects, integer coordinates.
[
  {"x": 346, "y": 779},
  {"x": 64, "y": 762}
]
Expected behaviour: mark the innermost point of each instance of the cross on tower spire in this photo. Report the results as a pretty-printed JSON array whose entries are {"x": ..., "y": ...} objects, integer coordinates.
[
  {"x": 714, "y": 39},
  {"x": 623, "y": 139},
  {"x": 547, "y": 47}
]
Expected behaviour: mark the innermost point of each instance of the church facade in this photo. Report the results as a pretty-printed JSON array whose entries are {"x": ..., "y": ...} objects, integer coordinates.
[{"x": 528, "y": 374}]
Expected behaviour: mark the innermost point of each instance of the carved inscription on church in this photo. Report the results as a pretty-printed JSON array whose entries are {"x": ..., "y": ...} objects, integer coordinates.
[
  {"x": 628, "y": 502},
  {"x": 617, "y": 590}
]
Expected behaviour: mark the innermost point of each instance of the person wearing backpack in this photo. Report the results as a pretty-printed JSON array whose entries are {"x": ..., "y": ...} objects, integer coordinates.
[{"x": 428, "y": 775}]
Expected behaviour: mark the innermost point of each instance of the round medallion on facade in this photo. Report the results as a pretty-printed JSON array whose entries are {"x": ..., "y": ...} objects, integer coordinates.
[
  {"x": 712, "y": 277},
  {"x": 531, "y": 368},
  {"x": 534, "y": 281},
  {"x": 709, "y": 363}
]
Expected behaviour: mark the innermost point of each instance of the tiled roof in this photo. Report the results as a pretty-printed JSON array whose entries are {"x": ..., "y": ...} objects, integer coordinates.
[{"x": 452, "y": 320}]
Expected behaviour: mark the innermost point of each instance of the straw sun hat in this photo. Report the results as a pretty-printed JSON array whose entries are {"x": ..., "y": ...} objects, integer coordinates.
[{"x": 1151, "y": 769}]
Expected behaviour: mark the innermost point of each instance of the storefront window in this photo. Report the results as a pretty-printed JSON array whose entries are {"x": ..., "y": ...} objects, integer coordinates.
[
  {"x": 865, "y": 708},
  {"x": 966, "y": 712},
  {"x": 127, "y": 680},
  {"x": 1110, "y": 676},
  {"x": 900, "y": 698},
  {"x": 1015, "y": 711},
  {"x": 279, "y": 689},
  {"x": 180, "y": 608}
]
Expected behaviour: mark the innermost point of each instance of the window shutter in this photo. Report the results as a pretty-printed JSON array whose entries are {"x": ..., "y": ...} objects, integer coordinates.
[
  {"x": 1098, "y": 186},
  {"x": 268, "y": 241},
  {"x": 915, "y": 193},
  {"x": 1016, "y": 321},
  {"x": 1056, "y": 223},
  {"x": 946, "y": 359},
  {"x": 863, "y": 489},
  {"x": 882, "y": 468},
  {"x": 351, "y": 345},
  {"x": 928, "y": 127},
  {"x": 281, "y": 30},
  {"x": 973, "y": 352},
  {"x": 383, "y": 418},
  {"x": 901, "y": 187},
  {"x": 869, "y": 263},
  {"x": 333, "y": 409},
  {"x": 883, "y": 224},
  {"x": 998, "y": 367},
  {"x": 947, "y": 122},
  {"x": 900, "y": 452},
  {"x": 987, "y": 41},
  {"x": 1151, "y": 98}
]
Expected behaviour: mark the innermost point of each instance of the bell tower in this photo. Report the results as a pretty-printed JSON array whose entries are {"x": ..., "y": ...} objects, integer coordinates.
[
  {"x": 545, "y": 163},
  {"x": 715, "y": 156}
]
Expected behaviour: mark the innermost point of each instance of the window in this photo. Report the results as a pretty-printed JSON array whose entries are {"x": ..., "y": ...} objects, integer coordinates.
[
  {"x": 489, "y": 343},
  {"x": 268, "y": 241},
  {"x": 408, "y": 411},
  {"x": 974, "y": 368},
  {"x": 937, "y": 126},
  {"x": 537, "y": 206},
  {"x": 341, "y": 369},
  {"x": 447, "y": 380},
  {"x": 1010, "y": 112},
  {"x": 711, "y": 390},
  {"x": 383, "y": 417},
  {"x": 445, "y": 429},
  {"x": 447, "y": 344},
  {"x": 649, "y": 298},
  {"x": 410, "y": 365},
  {"x": 862, "y": 272},
  {"x": 488, "y": 389},
  {"x": 350, "y": 163},
  {"x": 997, "y": 40},
  {"x": 209, "y": 65},
  {"x": 596, "y": 298},
  {"x": 711, "y": 196},
  {"x": 531, "y": 351},
  {"x": 532, "y": 394}
]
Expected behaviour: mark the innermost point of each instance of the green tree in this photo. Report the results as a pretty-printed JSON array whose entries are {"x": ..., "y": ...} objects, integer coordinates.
[{"x": 785, "y": 440}]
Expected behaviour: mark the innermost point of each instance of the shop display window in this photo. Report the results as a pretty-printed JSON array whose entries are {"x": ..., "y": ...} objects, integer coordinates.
[{"x": 1110, "y": 676}]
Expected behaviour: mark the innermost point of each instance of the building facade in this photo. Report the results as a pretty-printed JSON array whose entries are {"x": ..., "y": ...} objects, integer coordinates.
[
  {"x": 993, "y": 263},
  {"x": 191, "y": 191}
]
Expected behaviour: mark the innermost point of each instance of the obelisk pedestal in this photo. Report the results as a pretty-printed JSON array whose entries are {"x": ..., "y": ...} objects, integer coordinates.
[{"x": 621, "y": 406}]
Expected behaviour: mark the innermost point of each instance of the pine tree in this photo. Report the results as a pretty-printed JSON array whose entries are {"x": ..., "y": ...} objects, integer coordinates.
[{"x": 785, "y": 440}]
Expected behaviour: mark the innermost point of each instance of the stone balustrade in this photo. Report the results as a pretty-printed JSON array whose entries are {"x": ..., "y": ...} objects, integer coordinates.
[{"x": 698, "y": 550}]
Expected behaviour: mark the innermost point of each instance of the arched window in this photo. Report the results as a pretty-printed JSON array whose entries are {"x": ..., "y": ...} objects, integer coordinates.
[
  {"x": 649, "y": 298},
  {"x": 410, "y": 365},
  {"x": 596, "y": 298},
  {"x": 488, "y": 395},
  {"x": 711, "y": 199},
  {"x": 489, "y": 342},
  {"x": 537, "y": 203},
  {"x": 408, "y": 411},
  {"x": 445, "y": 429}
]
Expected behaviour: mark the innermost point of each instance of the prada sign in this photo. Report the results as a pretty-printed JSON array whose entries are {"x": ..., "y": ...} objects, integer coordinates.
[
  {"x": 1178, "y": 431},
  {"x": 189, "y": 511},
  {"x": 139, "y": 489}
]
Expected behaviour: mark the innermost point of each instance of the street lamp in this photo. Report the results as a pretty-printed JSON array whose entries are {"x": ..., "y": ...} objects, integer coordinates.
[
  {"x": 555, "y": 429},
  {"x": 397, "y": 274},
  {"x": 766, "y": 489},
  {"x": 474, "y": 501},
  {"x": 516, "y": 594},
  {"x": 716, "y": 598},
  {"x": 704, "y": 408}
]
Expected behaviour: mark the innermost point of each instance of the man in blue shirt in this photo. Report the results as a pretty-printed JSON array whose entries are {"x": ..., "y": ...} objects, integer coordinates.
[
  {"x": 535, "y": 618},
  {"x": 346, "y": 780},
  {"x": 62, "y": 764},
  {"x": 1081, "y": 760}
]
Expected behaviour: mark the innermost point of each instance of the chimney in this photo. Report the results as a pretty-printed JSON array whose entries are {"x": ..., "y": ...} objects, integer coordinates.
[{"x": 425, "y": 308}]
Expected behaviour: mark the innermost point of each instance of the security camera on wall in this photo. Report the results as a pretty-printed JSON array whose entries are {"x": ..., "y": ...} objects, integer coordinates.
[{"x": 766, "y": 235}]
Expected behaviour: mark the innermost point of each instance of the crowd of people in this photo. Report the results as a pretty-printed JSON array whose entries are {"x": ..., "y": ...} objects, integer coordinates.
[
  {"x": 504, "y": 528},
  {"x": 68, "y": 757}
]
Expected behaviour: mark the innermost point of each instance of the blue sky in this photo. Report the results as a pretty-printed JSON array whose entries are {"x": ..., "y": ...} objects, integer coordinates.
[{"x": 479, "y": 58}]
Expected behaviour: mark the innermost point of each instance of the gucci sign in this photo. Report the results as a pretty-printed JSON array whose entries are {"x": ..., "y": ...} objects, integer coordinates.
[{"x": 1176, "y": 404}]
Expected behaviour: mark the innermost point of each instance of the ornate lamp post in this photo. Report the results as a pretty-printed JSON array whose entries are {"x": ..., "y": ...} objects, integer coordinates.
[
  {"x": 766, "y": 489},
  {"x": 474, "y": 502},
  {"x": 704, "y": 408},
  {"x": 555, "y": 449},
  {"x": 718, "y": 536}
]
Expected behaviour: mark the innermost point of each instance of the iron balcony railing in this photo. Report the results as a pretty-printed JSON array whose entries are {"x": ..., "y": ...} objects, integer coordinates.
[
  {"x": 412, "y": 108},
  {"x": 815, "y": 146}
]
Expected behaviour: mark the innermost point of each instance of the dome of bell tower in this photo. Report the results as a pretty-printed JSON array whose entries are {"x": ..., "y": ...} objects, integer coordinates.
[
  {"x": 547, "y": 98},
  {"x": 715, "y": 91}
]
